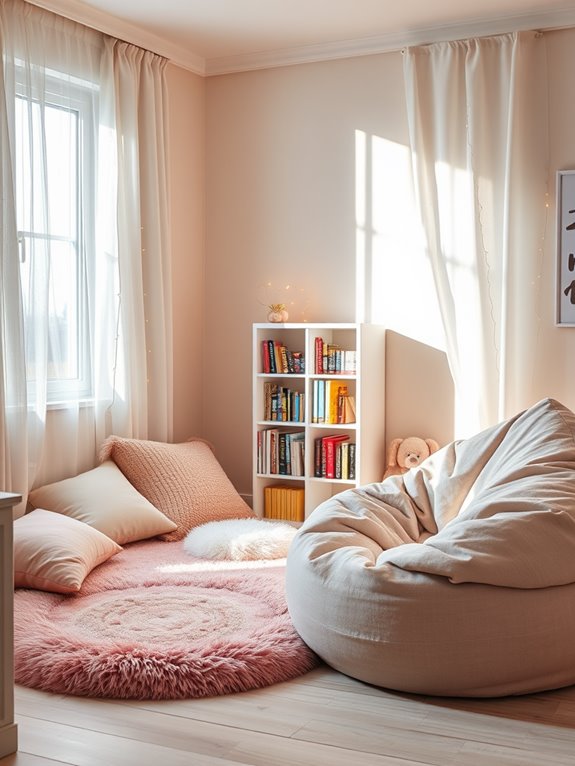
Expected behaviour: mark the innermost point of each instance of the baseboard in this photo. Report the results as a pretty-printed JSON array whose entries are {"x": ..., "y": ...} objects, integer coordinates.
[{"x": 248, "y": 498}]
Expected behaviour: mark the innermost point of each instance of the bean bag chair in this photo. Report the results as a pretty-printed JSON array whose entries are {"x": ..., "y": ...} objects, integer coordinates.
[{"x": 457, "y": 578}]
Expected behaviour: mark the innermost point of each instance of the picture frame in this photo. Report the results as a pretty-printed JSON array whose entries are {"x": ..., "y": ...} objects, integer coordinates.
[{"x": 565, "y": 286}]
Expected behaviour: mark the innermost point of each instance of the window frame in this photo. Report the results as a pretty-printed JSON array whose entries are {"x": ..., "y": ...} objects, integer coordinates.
[{"x": 75, "y": 96}]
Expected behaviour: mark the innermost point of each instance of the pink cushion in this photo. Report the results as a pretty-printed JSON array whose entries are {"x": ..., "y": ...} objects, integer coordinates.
[
  {"x": 55, "y": 553},
  {"x": 184, "y": 481}
]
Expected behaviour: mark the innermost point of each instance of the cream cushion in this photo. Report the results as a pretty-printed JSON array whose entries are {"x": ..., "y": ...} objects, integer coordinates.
[
  {"x": 457, "y": 578},
  {"x": 104, "y": 499},
  {"x": 55, "y": 553},
  {"x": 185, "y": 481}
]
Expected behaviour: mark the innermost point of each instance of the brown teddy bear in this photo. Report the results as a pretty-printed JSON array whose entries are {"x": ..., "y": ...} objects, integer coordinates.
[{"x": 404, "y": 454}]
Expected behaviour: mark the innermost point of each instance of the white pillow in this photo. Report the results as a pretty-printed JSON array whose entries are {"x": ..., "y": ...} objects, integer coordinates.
[{"x": 104, "y": 499}]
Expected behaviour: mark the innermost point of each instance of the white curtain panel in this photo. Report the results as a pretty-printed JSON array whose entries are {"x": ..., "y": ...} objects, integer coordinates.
[
  {"x": 85, "y": 319},
  {"x": 477, "y": 113},
  {"x": 135, "y": 94}
]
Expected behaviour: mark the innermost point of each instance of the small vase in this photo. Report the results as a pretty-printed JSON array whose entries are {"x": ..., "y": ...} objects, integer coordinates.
[{"x": 278, "y": 313}]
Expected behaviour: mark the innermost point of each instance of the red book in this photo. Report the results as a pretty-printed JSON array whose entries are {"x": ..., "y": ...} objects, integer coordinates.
[
  {"x": 266, "y": 357},
  {"x": 319, "y": 356},
  {"x": 330, "y": 445}
]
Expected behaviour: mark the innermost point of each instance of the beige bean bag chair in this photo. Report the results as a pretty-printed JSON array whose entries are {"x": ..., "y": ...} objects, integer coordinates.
[{"x": 457, "y": 578}]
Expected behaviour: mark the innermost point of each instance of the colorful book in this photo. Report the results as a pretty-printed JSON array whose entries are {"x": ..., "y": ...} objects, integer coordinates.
[
  {"x": 329, "y": 448},
  {"x": 265, "y": 357},
  {"x": 332, "y": 394},
  {"x": 320, "y": 401},
  {"x": 318, "y": 368},
  {"x": 352, "y": 460},
  {"x": 272, "y": 356}
]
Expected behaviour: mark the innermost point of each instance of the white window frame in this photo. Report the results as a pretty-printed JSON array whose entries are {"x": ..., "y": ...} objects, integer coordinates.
[{"x": 79, "y": 98}]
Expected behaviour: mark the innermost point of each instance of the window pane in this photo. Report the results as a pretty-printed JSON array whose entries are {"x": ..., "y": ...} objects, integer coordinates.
[
  {"x": 62, "y": 163},
  {"x": 48, "y": 182},
  {"x": 63, "y": 362},
  {"x": 47, "y": 161},
  {"x": 50, "y": 290}
]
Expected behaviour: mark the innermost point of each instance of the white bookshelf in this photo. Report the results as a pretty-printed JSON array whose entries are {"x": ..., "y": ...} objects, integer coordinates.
[{"x": 367, "y": 386}]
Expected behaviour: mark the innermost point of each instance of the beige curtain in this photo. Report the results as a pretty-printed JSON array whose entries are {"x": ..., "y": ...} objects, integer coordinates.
[{"x": 477, "y": 114}]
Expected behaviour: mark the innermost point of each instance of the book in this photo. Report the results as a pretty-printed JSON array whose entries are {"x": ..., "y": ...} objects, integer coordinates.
[
  {"x": 349, "y": 415},
  {"x": 283, "y": 502},
  {"x": 320, "y": 401},
  {"x": 284, "y": 359},
  {"x": 265, "y": 357},
  {"x": 278, "y": 356},
  {"x": 272, "y": 356},
  {"x": 259, "y": 453},
  {"x": 317, "y": 457},
  {"x": 349, "y": 362},
  {"x": 296, "y": 408},
  {"x": 330, "y": 446},
  {"x": 296, "y": 452},
  {"x": 273, "y": 462},
  {"x": 318, "y": 367},
  {"x": 314, "y": 405},
  {"x": 332, "y": 394},
  {"x": 344, "y": 459},
  {"x": 351, "y": 470},
  {"x": 298, "y": 362},
  {"x": 282, "y": 454}
]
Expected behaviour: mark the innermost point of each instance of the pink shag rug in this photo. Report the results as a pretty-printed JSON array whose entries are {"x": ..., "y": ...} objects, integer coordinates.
[{"x": 152, "y": 623}]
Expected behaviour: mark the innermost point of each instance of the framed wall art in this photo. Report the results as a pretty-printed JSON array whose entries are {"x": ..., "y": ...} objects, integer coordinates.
[{"x": 565, "y": 299}]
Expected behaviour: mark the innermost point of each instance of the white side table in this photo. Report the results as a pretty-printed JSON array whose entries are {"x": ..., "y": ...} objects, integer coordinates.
[{"x": 8, "y": 729}]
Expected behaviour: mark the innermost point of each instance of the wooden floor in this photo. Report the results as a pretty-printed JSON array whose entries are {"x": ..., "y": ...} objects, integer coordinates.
[{"x": 321, "y": 719}]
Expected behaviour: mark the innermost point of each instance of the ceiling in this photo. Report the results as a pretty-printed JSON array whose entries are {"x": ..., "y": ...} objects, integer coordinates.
[{"x": 217, "y": 36}]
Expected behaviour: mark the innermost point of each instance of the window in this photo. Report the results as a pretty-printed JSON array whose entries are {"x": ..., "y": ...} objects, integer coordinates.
[{"x": 55, "y": 216}]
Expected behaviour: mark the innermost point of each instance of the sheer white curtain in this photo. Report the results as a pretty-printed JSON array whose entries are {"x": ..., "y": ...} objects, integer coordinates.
[
  {"x": 135, "y": 88},
  {"x": 477, "y": 113},
  {"x": 85, "y": 319}
]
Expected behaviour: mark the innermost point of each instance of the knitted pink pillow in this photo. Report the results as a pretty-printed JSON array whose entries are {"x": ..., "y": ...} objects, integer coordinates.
[{"x": 183, "y": 481}]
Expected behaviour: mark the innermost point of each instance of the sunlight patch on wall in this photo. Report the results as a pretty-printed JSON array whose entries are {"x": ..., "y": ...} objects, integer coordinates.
[
  {"x": 395, "y": 285},
  {"x": 458, "y": 247}
]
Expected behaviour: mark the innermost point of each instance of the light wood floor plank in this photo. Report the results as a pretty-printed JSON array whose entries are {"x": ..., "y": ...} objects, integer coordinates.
[{"x": 320, "y": 718}]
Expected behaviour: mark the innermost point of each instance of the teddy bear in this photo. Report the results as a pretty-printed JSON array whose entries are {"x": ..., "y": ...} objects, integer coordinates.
[{"x": 404, "y": 454}]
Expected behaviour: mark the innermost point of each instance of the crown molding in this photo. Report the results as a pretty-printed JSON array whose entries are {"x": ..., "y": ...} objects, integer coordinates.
[
  {"x": 115, "y": 27},
  {"x": 306, "y": 54},
  {"x": 370, "y": 46}
]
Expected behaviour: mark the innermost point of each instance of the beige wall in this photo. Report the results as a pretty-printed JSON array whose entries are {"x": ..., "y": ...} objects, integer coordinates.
[
  {"x": 285, "y": 167},
  {"x": 555, "y": 373},
  {"x": 300, "y": 163},
  {"x": 187, "y": 193}
]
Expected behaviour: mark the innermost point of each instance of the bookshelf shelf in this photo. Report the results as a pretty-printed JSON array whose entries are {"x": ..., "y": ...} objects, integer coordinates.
[{"x": 352, "y": 388}]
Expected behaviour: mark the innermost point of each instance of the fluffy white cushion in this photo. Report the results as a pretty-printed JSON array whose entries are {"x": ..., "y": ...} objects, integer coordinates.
[
  {"x": 55, "y": 553},
  {"x": 240, "y": 540},
  {"x": 104, "y": 499}
]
